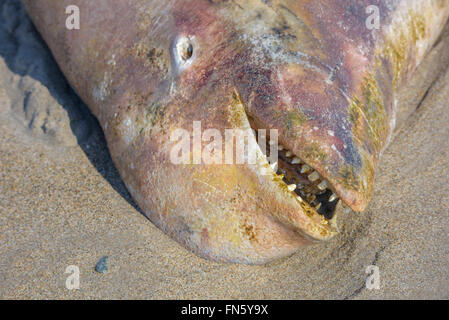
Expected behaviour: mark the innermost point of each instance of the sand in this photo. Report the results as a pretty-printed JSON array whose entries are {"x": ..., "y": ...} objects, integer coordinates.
[{"x": 62, "y": 203}]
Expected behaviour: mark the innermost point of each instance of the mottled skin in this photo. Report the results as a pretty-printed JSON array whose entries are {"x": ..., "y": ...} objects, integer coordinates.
[{"x": 310, "y": 69}]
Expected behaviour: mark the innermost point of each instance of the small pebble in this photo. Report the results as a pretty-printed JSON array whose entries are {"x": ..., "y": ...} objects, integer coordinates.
[{"x": 102, "y": 265}]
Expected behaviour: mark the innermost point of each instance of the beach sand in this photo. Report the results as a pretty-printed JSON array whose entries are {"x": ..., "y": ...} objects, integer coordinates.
[{"x": 62, "y": 203}]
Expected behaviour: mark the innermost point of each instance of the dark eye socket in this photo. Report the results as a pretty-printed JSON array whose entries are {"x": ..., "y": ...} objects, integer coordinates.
[
  {"x": 185, "y": 49},
  {"x": 189, "y": 52}
]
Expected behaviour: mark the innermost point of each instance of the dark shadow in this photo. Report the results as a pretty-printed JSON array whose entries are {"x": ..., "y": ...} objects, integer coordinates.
[{"x": 26, "y": 54}]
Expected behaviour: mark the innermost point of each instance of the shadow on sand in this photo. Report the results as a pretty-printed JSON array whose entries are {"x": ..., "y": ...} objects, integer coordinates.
[{"x": 26, "y": 54}]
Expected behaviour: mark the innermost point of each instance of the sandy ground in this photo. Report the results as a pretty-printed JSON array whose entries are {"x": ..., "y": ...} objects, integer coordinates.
[{"x": 62, "y": 203}]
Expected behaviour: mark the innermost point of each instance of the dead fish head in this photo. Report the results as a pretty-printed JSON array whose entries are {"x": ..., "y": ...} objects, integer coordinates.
[
  {"x": 219, "y": 79},
  {"x": 262, "y": 74},
  {"x": 178, "y": 90}
]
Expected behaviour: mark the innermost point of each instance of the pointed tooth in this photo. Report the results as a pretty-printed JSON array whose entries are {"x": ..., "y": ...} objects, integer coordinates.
[
  {"x": 299, "y": 199},
  {"x": 333, "y": 197},
  {"x": 291, "y": 187},
  {"x": 305, "y": 168},
  {"x": 296, "y": 160},
  {"x": 310, "y": 189},
  {"x": 288, "y": 154},
  {"x": 323, "y": 185},
  {"x": 314, "y": 176},
  {"x": 274, "y": 166},
  {"x": 318, "y": 206}
]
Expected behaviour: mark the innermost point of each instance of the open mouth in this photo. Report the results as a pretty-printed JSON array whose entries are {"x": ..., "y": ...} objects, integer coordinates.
[
  {"x": 308, "y": 186},
  {"x": 305, "y": 183}
]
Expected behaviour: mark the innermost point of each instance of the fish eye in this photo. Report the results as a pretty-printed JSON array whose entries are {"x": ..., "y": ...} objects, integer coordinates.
[
  {"x": 189, "y": 51},
  {"x": 184, "y": 49}
]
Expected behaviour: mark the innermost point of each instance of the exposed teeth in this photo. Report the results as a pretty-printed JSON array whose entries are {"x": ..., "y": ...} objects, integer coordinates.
[
  {"x": 323, "y": 185},
  {"x": 303, "y": 181},
  {"x": 314, "y": 176},
  {"x": 333, "y": 197},
  {"x": 305, "y": 168}
]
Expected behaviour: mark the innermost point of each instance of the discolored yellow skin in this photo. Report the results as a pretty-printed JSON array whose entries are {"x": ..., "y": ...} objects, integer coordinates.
[{"x": 310, "y": 69}]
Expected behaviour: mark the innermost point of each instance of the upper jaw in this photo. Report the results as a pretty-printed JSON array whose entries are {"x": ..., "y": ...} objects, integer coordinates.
[{"x": 314, "y": 123}]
